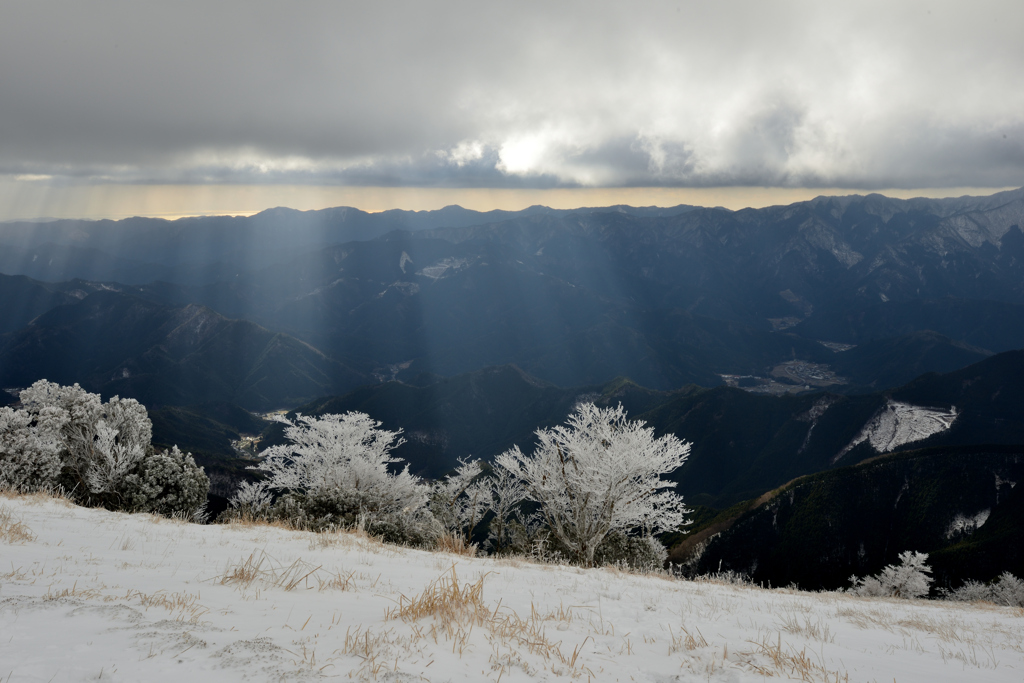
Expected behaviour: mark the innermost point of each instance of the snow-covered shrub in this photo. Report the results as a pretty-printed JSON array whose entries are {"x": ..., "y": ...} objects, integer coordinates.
[
  {"x": 30, "y": 448},
  {"x": 99, "y": 453},
  {"x": 417, "y": 529},
  {"x": 250, "y": 501},
  {"x": 600, "y": 473},
  {"x": 100, "y": 442},
  {"x": 81, "y": 412},
  {"x": 1006, "y": 590},
  {"x": 335, "y": 474},
  {"x": 636, "y": 552},
  {"x": 867, "y": 587},
  {"x": 168, "y": 483},
  {"x": 330, "y": 511},
  {"x": 123, "y": 433},
  {"x": 909, "y": 579}
]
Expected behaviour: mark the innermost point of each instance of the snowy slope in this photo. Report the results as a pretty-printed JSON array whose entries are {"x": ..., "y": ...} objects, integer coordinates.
[
  {"x": 92, "y": 595},
  {"x": 899, "y": 423}
]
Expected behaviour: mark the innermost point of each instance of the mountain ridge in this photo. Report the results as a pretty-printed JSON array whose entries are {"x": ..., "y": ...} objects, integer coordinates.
[{"x": 115, "y": 343}]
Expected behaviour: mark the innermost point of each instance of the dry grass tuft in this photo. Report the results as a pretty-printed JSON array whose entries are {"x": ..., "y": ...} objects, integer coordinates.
[
  {"x": 182, "y": 606},
  {"x": 815, "y": 630},
  {"x": 788, "y": 663},
  {"x": 456, "y": 608},
  {"x": 38, "y": 496},
  {"x": 949, "y": 629},
  {"x": 379, "y": 653},
  {"x": 246, "y": 519},
  {"x": 345, "y": 538},
  {"x": 13, "y": 530},
  {"x": 456, "y": 545},
  {"x": 73, "y": 593},
  {"x": 446, "y": 600},
  {"x": 260, "y": 568},
  {"x": 685, "y": 641}
]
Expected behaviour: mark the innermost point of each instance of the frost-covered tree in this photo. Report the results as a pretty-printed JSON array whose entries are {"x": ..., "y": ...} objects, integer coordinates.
[
  {"x": 81, "y": 412},
  {"x": 505, "y": 496},
  {"x": 909, "y": 579},
  {"x": 600, "y": 473},
  {"x": 460, "y": 500},
  {"x": 345, "y": 457}
]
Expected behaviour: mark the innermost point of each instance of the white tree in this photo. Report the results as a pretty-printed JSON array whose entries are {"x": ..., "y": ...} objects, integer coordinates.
[
  {"x": 600, "y": 473},
  {"x": 506, "y": 494},
  {"x": 346, "y": 456},
  {"x": 460, "y": 500}
]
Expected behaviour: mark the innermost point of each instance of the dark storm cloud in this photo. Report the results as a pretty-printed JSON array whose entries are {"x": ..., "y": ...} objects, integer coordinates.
[{"x": 515, "y": 94}]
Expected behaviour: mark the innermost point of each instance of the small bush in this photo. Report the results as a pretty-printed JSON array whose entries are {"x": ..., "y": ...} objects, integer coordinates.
[
  {"x": 1006, "y": 590},
  {"x": 332, "y": 511},
  {"x": 249, "y": 503},
  {"x": 909, "y": 579},
  {"x": 168, "y": 483},
  {"x": 643, "y": 553}
]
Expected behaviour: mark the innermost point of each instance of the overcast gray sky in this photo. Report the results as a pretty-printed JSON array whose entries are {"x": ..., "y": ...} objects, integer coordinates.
[{"x": 864, "y": 95}]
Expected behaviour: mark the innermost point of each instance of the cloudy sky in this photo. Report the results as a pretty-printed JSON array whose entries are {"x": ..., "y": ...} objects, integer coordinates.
[{"x": 398, "y": 102}]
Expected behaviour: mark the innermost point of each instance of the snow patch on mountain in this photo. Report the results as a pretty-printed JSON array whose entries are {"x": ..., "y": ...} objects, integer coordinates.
[
  {"x": 967, "y": 524},
  {"x": 439, "y": 269},
  {"x": 812, "y": 415},
  {"x": 406, "y": 288},
  {"x": 404, "y": 260},
  {"x": 320, "y": 290},
  {"x": 900, "y": 423}
]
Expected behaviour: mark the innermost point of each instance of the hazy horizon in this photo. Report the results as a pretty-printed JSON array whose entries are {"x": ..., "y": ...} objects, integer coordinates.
[
  {"x": 111, "y": 110},
  {"x": 173, "y": 202}
]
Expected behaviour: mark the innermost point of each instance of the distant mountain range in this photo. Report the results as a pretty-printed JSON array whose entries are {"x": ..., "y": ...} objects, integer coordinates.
[
  {"x": 848, "y": 369},
  {"x": 205, "y": 249},
  {"x": 667, "y": 297}
]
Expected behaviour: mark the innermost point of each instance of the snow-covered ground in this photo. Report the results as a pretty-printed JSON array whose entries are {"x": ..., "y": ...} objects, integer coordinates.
[{"x": 93, "y": 595}]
